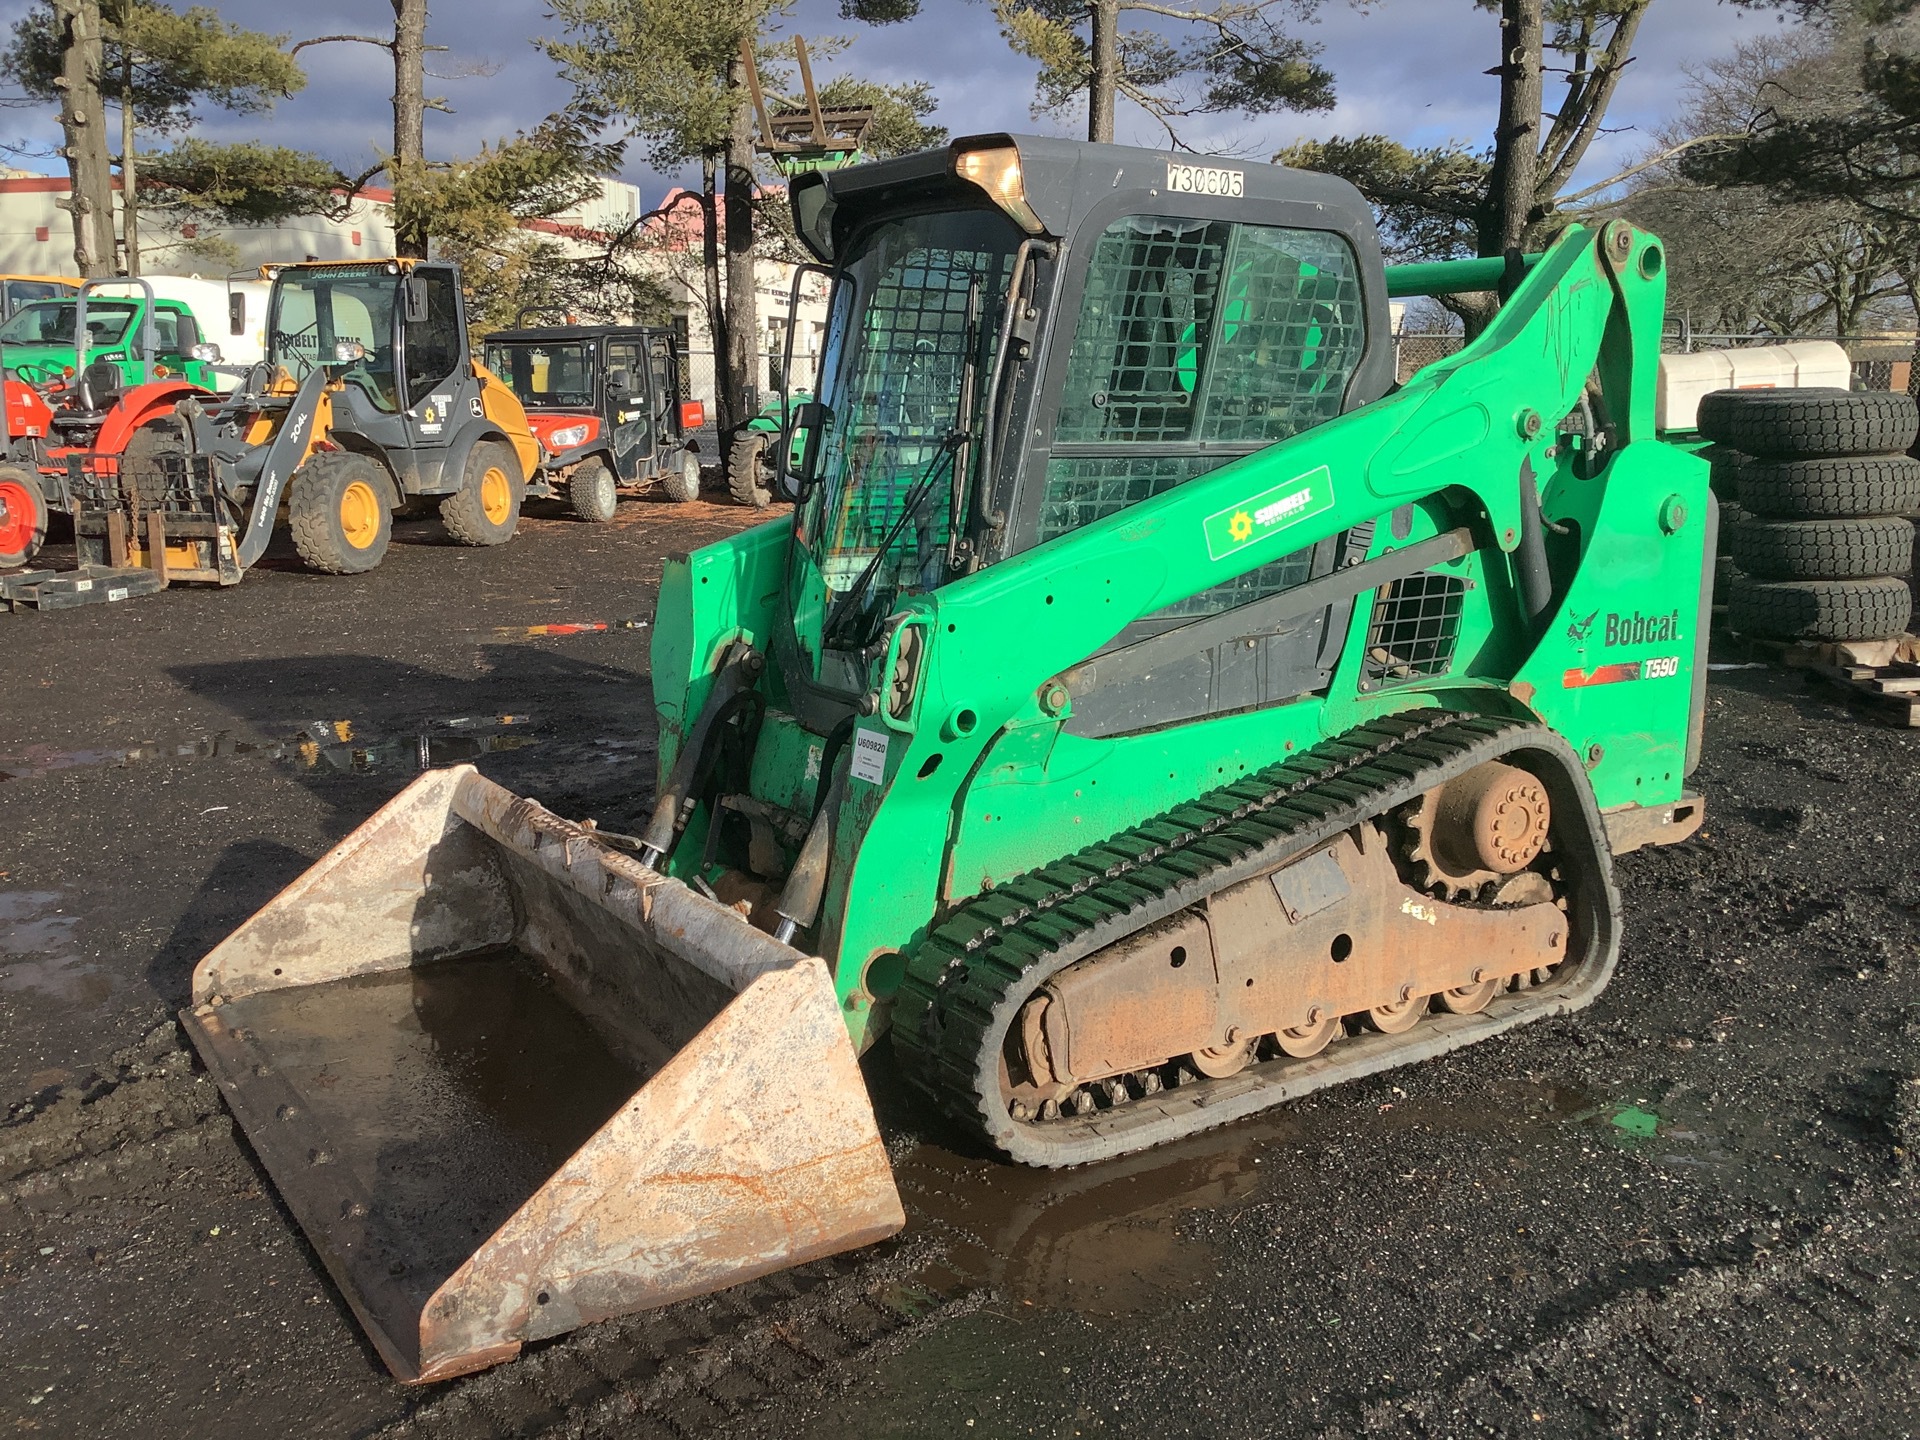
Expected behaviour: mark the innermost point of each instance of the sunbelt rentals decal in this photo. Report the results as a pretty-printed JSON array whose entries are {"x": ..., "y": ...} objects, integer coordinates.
[{"x": 1269, "y": 512}]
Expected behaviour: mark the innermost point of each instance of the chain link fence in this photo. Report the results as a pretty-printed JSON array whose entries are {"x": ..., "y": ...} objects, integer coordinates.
[
  {"x": 699, "y": 375},
  {"x": 1880, "y": 362}
]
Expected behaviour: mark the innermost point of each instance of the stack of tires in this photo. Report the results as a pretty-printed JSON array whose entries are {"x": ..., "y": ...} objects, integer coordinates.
[{"x": 1820, "y": 532}]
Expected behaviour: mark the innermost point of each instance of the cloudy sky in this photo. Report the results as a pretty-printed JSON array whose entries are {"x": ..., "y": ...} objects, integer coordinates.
[{"x": 1408, "y": 68}]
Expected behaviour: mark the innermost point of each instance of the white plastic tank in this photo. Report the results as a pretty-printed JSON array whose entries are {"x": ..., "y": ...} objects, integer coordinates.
[
  {"x": 232, "y": 315},
  {"x": 1684, "y": 379}
]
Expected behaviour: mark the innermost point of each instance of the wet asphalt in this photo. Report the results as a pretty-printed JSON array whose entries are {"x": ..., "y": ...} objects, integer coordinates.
[{"x": 1685, "y": 1211}]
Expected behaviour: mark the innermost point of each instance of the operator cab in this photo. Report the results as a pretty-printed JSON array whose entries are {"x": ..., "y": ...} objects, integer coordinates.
[
  {"x": 1026, "y": 336},
  {"x": 607, "y": 390},
  {"x": 20, "y": 290},
  {"x": 392, "y": 336}
]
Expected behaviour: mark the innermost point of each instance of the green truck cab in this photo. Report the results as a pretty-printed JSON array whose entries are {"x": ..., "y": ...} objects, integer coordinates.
[{"x": 145, "y": 338}]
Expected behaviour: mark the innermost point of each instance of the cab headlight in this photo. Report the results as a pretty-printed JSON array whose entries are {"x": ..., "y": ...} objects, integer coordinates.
[
  {"x": 996, "y": 170},
  {"x": 568, "y": 437}
]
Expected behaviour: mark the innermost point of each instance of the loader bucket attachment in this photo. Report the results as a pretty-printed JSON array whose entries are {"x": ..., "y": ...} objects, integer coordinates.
[{"x": 511, "y": 1082}]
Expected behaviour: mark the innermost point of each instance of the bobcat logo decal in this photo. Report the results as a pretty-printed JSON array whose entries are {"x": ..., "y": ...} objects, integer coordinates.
[{"x": 1578, "y": 630}]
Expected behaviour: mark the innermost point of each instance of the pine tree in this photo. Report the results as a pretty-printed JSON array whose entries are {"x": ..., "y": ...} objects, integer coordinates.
[{"x": 158, "y": 67}]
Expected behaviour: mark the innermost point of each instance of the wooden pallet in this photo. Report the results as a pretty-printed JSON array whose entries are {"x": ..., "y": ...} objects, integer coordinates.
[
  {"x": 1890, "y": 693},
  {"x": 1881, "y": 677},
  {"x": 65, "y": 589}
]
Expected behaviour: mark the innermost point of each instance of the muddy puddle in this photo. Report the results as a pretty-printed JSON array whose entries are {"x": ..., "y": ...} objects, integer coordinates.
[
  {"x": 1105, "y": 1239},
  {"x": 337, "y": 746},
  {"x": 1122, "y": 1238},
  {"x": 38, "y": 953},
  {"x": 448, "y": 1092}
]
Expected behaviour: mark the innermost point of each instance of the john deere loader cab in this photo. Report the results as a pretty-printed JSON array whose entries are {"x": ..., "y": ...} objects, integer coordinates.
[
  {"x": 604, "y": 403},
  {"x": 368, "y": 400},
  {"x": 1147, "y": 715}
]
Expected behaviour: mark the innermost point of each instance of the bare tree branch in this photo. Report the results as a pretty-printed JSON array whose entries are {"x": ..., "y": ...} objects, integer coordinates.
[
  {"x": 298, "y": 46},
  {"x": 1648, "y": 164},
  {"x": 1596, "y": 94}
]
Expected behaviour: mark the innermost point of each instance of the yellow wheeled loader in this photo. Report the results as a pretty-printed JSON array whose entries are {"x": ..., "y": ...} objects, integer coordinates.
[
  {"x": 1149, "y": 713},
  {"x": 369, "y": 400}
]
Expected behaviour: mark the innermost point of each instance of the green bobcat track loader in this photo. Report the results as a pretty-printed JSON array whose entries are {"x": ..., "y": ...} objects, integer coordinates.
[{"x": 1150, "y": 712}]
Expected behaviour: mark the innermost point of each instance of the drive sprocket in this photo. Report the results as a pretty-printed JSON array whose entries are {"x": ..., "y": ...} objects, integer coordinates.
[{"x": 1474, "y": 831}]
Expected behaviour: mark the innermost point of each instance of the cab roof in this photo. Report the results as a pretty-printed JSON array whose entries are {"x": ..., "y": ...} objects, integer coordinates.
[
  {"x": 549, "y": 333},
  {"x": 1068, "y": 182},
  {"x": 393, "y": 264}
]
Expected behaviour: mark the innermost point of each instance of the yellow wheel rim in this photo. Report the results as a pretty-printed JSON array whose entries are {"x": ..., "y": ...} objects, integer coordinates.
[
  {"x": 496, "y": 495},
  {"x": 360, "y": 515}
]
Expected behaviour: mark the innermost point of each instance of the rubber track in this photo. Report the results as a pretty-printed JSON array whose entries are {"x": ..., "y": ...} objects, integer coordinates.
[
  {"x": 966, "y": 980},
  {"x": 692, "y": 1368}
]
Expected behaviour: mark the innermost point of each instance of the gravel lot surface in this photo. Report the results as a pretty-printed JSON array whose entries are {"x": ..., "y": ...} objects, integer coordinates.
[{"x": 1688, "y": 1210}]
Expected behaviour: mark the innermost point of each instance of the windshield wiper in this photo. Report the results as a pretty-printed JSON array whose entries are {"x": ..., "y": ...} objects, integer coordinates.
[
  {"x": 959, "y": 441},
  {"x": 917, "y": 497}
]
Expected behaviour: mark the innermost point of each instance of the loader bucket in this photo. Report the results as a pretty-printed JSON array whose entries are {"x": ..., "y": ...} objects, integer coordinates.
[{"x": 511, "y": 1082}]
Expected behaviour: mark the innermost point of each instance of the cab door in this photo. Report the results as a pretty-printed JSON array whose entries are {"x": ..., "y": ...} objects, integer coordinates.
[
  {"x": 629, "y": 409},
  {"x": 438, "y": 392},
  {"x": 663, "y": 390}
]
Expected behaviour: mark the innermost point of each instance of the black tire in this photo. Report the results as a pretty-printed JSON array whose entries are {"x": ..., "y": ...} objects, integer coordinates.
[
  {"x": 23, "y": 516},
  {"x": 485, "y": 510},
  {"x": 1820, "y": 609},
  {"x": 1831, "y": 488},
  {"x": 1724, "y": 473},
  {"x": 593, "y": 493},
  {"x": 339, "y": 507},
  {"x": 154, "y": 456},
  {"x": 1714, "y": 418},
  {"x": 1822, "y": 549},
  {"x": 1810, "y": 422},
  {"x": 747, "y": 475},
  {"x": 680, "y": 477},
  {"x": 1732, "y": 515},
  {"x": 1725, "y": 572}
]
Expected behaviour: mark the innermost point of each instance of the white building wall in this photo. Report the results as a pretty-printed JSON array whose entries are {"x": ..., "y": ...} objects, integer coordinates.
[{"x": 36, "y": 234}]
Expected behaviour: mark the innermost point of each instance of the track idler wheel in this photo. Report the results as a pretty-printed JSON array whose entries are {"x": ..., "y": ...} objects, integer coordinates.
[
  {"x": 1217, "y": 1062},
  {"x": 1469, "y": 999}
]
